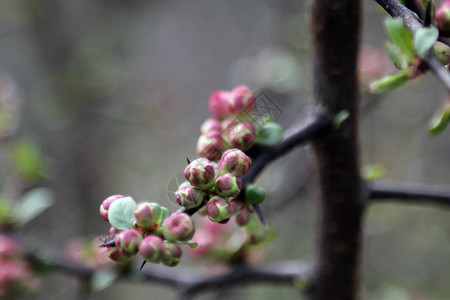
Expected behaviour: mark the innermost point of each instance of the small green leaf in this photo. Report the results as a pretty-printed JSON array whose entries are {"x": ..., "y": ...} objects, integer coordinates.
[
  {"x": 373, "y": 171},
  {"x": 164, "y": 214},
  {"x": 389, "y": 82},
  {"x": 191, "y": 244},
  {"x": 424, "y": 39},
  {"x": 401, "y": 36},
  {"x": 121, "y": 213},
  {"x": 397, "y": 57},
  {"x": 440, "y": 121},
  {"x": 102, "y": 279},
  {"x": 32, "y": 204},
  {"x": 254, "y": 194},
  {"x": 340, "y": 118},
  {"x": 269, "y": 134},
  {"x": 28, "y": 160}
]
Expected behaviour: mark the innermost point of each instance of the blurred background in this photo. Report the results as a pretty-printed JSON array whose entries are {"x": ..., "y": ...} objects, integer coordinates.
[{"x": 107, "y": 96}]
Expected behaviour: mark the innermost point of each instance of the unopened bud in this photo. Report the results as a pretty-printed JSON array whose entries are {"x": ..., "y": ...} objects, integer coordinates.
[
  {"x": 147, "y": 215},
  {"x": 254, "y": 194},
  {"x": 211, "y": 124},
  {"x": 242, "y": 136},
  {"x": 442, "y": 52},
  {"x": 200, "y": 173},
  {"x": 8, "y": 246},
  {"x": 269, "y": 134},
  {"x": 219, "y": 209},
  {"x": 172, "y": 255},
  {"x": 128, "y": 241},
  {"x": 113, "y": 230},
  {"x": 210, "y": 145},
  {"x": 228, "y": 185},
  {"x": 442, "y": 17},
  {"x": 104, "y": 207},
  {"x": 117, "y": 254},
  {"x": 243, "y": 217},
  {"x": 189, "y": 197},
  {"x": 241, "y": 100},
  {"x": 233, "y": 161},
  {"x": 178, "y": 227},
  {"x": 219, "y": 104},
  {"x": 152, "y": 248}
]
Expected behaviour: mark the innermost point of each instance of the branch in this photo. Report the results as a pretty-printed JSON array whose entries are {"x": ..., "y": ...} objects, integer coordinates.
[
  {"x": 408, "y": 192},
  {"x": 413, "y": 23},
  {"x": 189, "y": 282},
  {"x": 297, "y": 135}
]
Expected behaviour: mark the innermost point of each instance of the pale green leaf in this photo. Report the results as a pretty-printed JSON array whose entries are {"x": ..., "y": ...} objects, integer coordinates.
[
  {"x": 424, "y": 39},
  {"x": 121, "y": 213},
  {"x": 32, "y": 204},
  {"x": 401, "y": 37}
]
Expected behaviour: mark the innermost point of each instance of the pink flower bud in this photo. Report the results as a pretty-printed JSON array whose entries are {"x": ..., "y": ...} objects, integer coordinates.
[
  {"x": 189, "y": 197},
  {"x": 442, "y": 17},
  {"x": 178, "y": 227},
  {"x": 228, "y": 185},
  {"x": 219, "y": 209},
  {"x": 211, "y": 124},
  {"x": 210, "y": 145},
  {"x": 113, "y": 230},
  {"x": 104, "y": 207},
  {"x": 172, "y": 255},
  {"x": 128, "y": 241},
  {"x": 152, "y": 249},
  {"x": 243, "y": 217},
  {"x": 241, "y": 100},
  {"x": 117, "y": 254},
  {"x": 147, "y": 215},
  {"x": 233, "y": 161},
  {"x": 200, "y": 173},
  {"x": 243, "y": 136},
  {"x": 219, "y": 104},
  {"x": 8, "y": 246}
]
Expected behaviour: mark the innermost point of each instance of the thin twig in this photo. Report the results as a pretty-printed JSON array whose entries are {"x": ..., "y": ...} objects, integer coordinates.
[
  {"x": 414, "y": 23},
  {"x": 408, "y": 192}
]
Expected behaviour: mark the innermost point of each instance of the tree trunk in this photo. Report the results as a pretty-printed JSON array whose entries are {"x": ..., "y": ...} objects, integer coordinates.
[{"x": 335, "y": 34}]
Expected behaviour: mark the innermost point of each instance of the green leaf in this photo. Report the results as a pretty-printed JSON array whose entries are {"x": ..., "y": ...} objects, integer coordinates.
[
  {"x": 373, "y": 171},
  {"x": 269, "y": 134},
  {"x": 121, "y": 213},
  {"x": 32, "y": 204},
  {"x": 389, "y": 82},
  {"x": 340, "y": 118},
  {"x": 401, "y": 37},
  {"x": 254, "y": 194},
  {"x": 397, "y": 56},
  {"x": 424, "y": 39},
  {"x": 164, "y": 214},
  {"x": 102, "y": 279},
  {"x": 440, "y": 121},
  {"x": 191, "y": 244},
  {"x": 28, "y": 160}
]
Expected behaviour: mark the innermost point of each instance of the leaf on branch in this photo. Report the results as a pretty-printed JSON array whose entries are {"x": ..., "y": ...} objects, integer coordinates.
[
  {"x": 389, "y": 82},
  {"x": 373, "y": 171},
  {"x": 32, "y": 204},
  {"x": 340, "y": 118},
  {"x": 401, "y": 37},
  {"x": 121, "y": 213},
  {"x": 424, "y": 39},
  {"x": 397, "y": 57},
  {"x": 440, "y": 121},
  {"x": 102, "y": 279}
]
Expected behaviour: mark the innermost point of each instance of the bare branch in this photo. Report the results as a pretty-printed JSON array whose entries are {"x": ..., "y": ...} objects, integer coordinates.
[
  {"x": 413, "y": 23},
  {"x": 408, "y": 192}
]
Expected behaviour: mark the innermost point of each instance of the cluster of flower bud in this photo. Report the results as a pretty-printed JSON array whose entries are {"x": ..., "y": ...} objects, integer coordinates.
[
  {"x": 214, "y": 184},
  {"x": 16, "y": 277},
  {"x": 236, "y": 123},
  {"x": 146, "y": 229}
]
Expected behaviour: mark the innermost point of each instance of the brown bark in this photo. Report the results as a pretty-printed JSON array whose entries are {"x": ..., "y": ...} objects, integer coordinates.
[{"x": 335, "y": 34}]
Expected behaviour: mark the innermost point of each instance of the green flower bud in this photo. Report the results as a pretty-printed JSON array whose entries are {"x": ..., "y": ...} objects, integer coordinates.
[
  {"x": 219, "y": 209},
  {"x": 228, "y": 185},
  {"x": 189, "y": 197},
  {"x": 152, "y": 249},
  {"x": 147, "y": 215},
  {"x": 172, "y": 255},
  {"x": 269, "y": 134},
  {"x": 178, "y": 228},
  {"x": 128, "y": 241},
  {"x": 254, "y": 194},
  {"x": 233, "y": 161},
  {"x": 200, "y": 173},
  {"x": 442, "y": 52}
]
